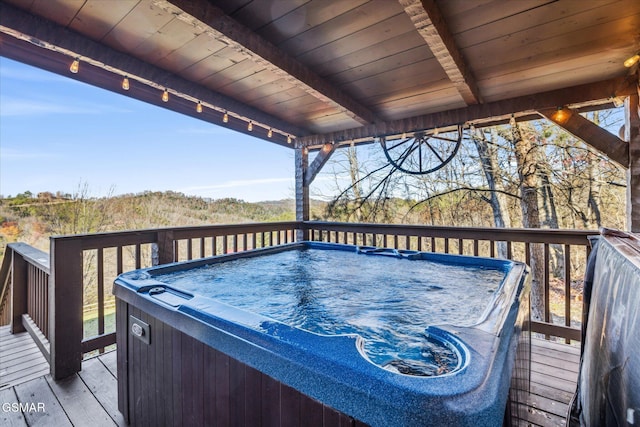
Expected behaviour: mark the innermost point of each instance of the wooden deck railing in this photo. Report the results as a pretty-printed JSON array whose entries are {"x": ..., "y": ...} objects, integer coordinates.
[
  {"x": 71, "y": 302},
  {"x": 88, "y": 264},
  {"x": 24, "y": 303}
]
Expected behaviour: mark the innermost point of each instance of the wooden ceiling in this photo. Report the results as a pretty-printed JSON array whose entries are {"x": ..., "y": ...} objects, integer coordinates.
[{"x": 317, "y": 71}]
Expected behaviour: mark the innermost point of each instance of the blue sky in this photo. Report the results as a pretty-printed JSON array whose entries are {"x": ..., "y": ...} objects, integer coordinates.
[{"x": 56, "y": 134}]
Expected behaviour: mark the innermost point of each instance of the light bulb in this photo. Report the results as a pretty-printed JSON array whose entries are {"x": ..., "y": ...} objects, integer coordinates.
[
  {"x": 165, "y": 96},
  {"x": 561, "y": 115},
  {"x": 75, "y": 66},
  {"x": 270, "y": 133},
  {"x": 250, "y": 126},
  {"x": 225, "y": 118},
  {"x": 199, "y": 107},
  {"x": 618, "y": 101},
  {"x": 632, "y": 60},
  {"x": 125, "y": 83},
  {"x": 436, "y": 132},
  {"x": 288, "y": 139}
]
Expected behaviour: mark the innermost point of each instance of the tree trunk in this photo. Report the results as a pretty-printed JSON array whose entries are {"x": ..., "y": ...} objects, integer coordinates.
[
  {"x": 551, "y": 221},
  {"x": 594, "y": 214},
  {"x": 354, "y": 173},
  {"x": 489, "y": 163},
  {"x": 524, "y": 150}
]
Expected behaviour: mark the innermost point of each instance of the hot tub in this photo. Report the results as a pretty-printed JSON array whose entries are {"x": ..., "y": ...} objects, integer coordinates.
[{"x": 322, "y": 334}]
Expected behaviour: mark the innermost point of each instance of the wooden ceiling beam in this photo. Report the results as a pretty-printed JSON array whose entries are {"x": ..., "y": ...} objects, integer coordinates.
[
  {"x": 428, "y": 20},
  {"x": 582, "y": 95},
  {"x": 229, "y": 31},
  {"x": 592, "y": 134},
  {"x": 47, "y": 45}
]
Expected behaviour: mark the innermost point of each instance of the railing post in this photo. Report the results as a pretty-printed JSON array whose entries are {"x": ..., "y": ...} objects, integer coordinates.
[
  {"x": 65, "y": 307},
  {"x": 18, "y": 291},
  {"x": 165, "y": 244},
  {"x": 302, "y": 190}
]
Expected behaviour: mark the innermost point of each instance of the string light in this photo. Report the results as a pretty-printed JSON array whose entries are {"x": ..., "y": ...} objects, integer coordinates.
[
  {"x": 436, "y": 132},
  {"x": 618, "y": 101},
  {"x": 632, "y": 60},
  {"x": 126, "y": 85},
  {"x": 404, "y": 135},
  {"x": 561, "y": 115},
  {"x": 75, "y": 66},
  {"x": 512, "y": 121}
]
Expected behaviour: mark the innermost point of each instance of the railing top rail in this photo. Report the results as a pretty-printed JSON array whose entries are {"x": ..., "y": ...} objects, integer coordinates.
[
  {"x": 4, "y": 276},
  {"x": 562, "y": 236},
  {"x": 119, "y": 238},
  {"x": 529, "y": 235},
  {"x": 32, "y": 255}
]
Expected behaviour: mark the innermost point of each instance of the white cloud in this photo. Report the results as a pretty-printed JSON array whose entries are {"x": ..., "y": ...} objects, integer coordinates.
[
  {"x": 15, "y": 154},
  {"x": 210, "y": 130},
  {"x": 236, "y": 184},
  {"x": 32, "y": 75},
  {"x": 30, "y": 107}
]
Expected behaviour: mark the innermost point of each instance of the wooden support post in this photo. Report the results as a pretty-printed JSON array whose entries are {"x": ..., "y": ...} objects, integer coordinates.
[
  {"x": 632, "y": 135},
  {"x": 302, "y": 189},
  {"x": 65, "y": 307},
  {"x": 18, "y": 291}
]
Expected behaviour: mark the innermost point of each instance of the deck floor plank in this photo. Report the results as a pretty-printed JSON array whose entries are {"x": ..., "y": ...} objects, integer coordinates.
[
  {"x": 11, "y": 417},
  {"x": 37, "y": 392},
  {"x": 103, "y": 386},
  {"x": 110, "y": 361},
  {"x": 80, "y": 405},
  {"x": 20, "y": 358},
  {"x": 554, "y": 375}
]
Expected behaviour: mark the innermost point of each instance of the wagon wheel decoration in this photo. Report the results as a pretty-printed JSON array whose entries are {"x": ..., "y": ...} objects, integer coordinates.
[{"x": 422, "y": 153}]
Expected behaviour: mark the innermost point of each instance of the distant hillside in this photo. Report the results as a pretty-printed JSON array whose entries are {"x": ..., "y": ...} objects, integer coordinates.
[{"x": 33, "y": 218}]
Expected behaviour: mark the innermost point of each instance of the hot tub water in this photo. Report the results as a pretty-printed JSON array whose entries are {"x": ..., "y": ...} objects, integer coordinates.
[{"x": 390, "y": 311}]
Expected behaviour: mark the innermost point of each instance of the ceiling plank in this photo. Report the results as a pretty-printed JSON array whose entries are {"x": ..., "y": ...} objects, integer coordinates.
[
  {"x": 523, "y": 105},
  {"x": 592, "y": 134},
  {"x": 226, "y": 29},
  {"x": 38, "y": 42},
  {"x": 430, "y": 23}
]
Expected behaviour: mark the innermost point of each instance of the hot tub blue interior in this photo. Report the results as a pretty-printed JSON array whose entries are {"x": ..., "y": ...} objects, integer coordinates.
[
  {"x": 388, "y": 337},
  {"x": 328, "y": 292}
]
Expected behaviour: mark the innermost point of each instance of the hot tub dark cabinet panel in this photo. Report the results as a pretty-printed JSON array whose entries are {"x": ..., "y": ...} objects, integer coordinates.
[
  {"x": 189, "y": 360},
  {"x": 176, "y": 380}
]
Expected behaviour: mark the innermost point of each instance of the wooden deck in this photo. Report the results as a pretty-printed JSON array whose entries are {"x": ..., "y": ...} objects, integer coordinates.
[
  {"x": 554, "y": 375},
  {"x": 20, "y": 359},
  {"x": 90, "y": 397}
]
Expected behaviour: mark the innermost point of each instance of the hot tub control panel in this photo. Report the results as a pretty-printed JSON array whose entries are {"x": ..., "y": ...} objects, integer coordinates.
[{"x": 139, "y": 330}]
